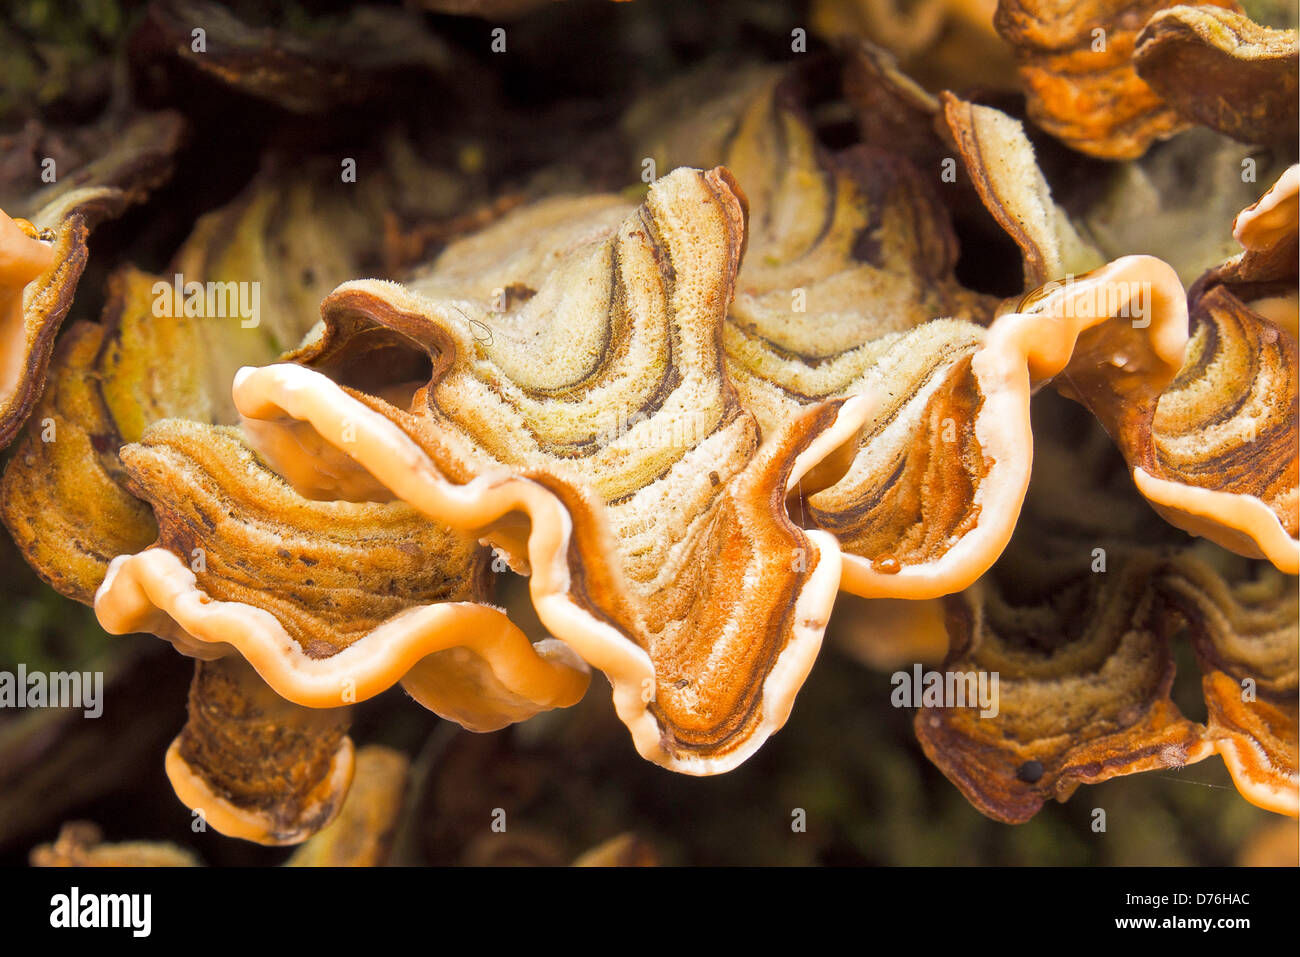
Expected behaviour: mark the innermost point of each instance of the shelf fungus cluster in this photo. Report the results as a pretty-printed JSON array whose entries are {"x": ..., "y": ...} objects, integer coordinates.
[
  {"x": 43, "y": 248},
  {"x": 693, "y": 415}
]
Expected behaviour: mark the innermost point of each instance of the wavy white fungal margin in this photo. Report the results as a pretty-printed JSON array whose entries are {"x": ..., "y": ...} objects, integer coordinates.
[
  {"x": 477, "y": 648},
  {"x": 1022, "y": 350},
  {"x": 1274, "y": 217},
  {"x": 1236, "y": 521},
  {"x": 396, "y": 462},
  {"x": 1119, "y": 365}
]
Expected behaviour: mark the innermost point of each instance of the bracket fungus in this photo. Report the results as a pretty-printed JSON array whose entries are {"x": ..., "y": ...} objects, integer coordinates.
[
  {"x": 629, "y": 446},
  {"x": 254, "y": 765},
  {"x": 692, "y": 414},
  {"x": 1084, "y": 679},
  {"x": 63, "y": 494},
  {"x": 1158, "y": 365},
  {"x": 1077, "y": 70},
  {"x": 1242, "y": 623},
  {"x": 861, "y": 244},
  {"x": 1219, "y": 68},
  {"x": 1229, "y": 477},
  {"x": 1102, "y": 644},
  {"x": 43, "y": 253},
  {"x": 24, "y": 256},
  {"x": 1083, "y": 643},
  {"x": 312, "y": 569}
]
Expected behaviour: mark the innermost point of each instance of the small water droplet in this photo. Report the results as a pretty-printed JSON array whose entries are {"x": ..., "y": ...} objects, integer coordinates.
[{"x": 887, "y": 565}]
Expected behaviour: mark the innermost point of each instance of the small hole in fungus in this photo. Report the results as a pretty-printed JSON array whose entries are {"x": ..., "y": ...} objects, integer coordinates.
[{"x": 1030, "y": 771}]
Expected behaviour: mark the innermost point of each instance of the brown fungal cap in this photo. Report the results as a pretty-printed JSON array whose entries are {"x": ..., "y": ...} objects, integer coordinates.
[
  {"x": 329, "y": 571},
  {"x": 1079, "y": 620},
  {"x": 1158, "y": 379},
  {"x": 42, "y": 261},
  {"x": 1219, "y": 68},
  {"x": 64, "y": 496},
  {"x": 1239, "y": 361},
  {"x": 1080, "y": 649},
  {"x": 1076, "y": 66},
  {"x": 255, "y": 766},
  {"x": 1000, "y": 161},
  {"x": 1242, "y": 624},
  {"x": 64, "y": 501},
  {"x": 1084, "y": 674}
]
